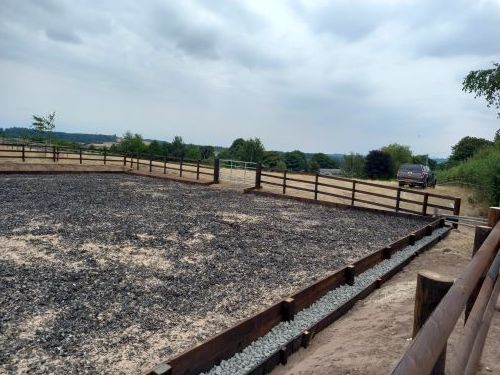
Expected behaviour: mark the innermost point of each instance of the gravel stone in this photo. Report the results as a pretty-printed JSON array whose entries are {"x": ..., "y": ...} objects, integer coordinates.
[{"x": 113, "y": 272}]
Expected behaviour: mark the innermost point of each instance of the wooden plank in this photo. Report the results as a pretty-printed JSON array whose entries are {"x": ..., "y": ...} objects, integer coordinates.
[
  {"x": 368, "y": 261},
  {"x": 374, "y": 203},
  {"x": 206, "y": 355},
  {"x": 376, "y": 194},
  {"x": 307, "y": 296},
  {"x": 335, "y": 186}
]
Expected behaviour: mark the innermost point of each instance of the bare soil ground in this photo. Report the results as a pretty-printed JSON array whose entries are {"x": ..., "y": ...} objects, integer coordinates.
[
  {"x": 372, "y": 337},
  {"x": 102, "y": 273}
]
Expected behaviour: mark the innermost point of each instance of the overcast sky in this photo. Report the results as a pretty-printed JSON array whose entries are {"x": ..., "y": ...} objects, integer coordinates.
[{"x": 330, "y": 76}]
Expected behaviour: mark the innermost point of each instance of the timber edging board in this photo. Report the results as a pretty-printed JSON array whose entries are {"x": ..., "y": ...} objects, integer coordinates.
[
  {"x": 185, "y": 180},
  {"x": 224, "y": 345}
]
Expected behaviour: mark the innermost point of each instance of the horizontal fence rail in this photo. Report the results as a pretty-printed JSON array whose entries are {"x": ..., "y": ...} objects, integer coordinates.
[
  {"x": 353, "y": 192},
  {"x": 431, "y": 340},
  {"x": 190, "y": 168}
]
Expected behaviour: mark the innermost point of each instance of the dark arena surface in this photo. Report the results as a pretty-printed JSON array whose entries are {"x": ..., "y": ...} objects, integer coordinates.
[{"x": 115, "y": 273}]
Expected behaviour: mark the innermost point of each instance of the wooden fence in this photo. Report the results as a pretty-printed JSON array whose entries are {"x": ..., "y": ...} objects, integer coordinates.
[
  {"x": 352, "y": 192},
  {"x": 153, "y": 163},
  {"x": 477, "y": 287}
]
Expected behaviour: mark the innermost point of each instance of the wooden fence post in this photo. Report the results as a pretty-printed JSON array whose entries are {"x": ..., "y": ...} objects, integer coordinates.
[
  {"x": 353, "y": 193},
  {"x": 284, "y": 181},
  {"x": 398, "y": 199},
  {"x": 258, "y": 176},
  {"x": 81, "y": 160},
  {"x": 125, "y": 160},
  {"x": 424, "y": 204},
  {"x": 431, "y": 288},
  {"x": 131, "y": 160},
  {"x": 456, "y": 210},
  {"x": 54, "y": 154},
  {"x": 164, "y": 165},
  {"x": 104, "y": 157},
  {"x": 198, "y": 169},
  {"x": 138, "y": 156},
  {"x": 180, "y": 168},
  {"x": 217, "y": 170},
  {"x": 350, "y": 274},
  {"x": 479, "y": 237},
  {"x": 316, "y": 187},
  {"x": 493, "y": 216},
  {"x": 288, "y": 309},
  {"x": 150, "y": 163},
  {"x": 23, "y": 155}
]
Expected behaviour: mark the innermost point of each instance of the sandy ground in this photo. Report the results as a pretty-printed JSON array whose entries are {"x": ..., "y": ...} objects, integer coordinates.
[{"x": 371, "y": 338}]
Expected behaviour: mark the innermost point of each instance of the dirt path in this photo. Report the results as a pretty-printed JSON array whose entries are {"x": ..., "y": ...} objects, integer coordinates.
[{"x": 371, "y": 338}]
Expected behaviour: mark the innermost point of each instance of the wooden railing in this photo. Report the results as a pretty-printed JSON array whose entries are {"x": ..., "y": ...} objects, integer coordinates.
[
  {"x": 353, "y": 192},
  {"x": 481, "y": 274},
  {"x": 153, "y": 163}
]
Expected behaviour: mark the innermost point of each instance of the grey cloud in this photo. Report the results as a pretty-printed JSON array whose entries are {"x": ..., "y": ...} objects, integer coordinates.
[
  {"x": 225, "y": 35},
  {"x": 345, "y": 19},
  {"x": 66, "y": 36},
  {"x": 467, "y": 29}
]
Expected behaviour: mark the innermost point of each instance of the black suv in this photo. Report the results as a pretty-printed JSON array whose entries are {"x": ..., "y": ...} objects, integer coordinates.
[{"x": 416, "y": 174}]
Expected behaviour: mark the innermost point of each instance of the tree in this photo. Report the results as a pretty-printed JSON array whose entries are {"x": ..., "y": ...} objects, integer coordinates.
[
  {"x": 353, "y": 165},
  {"x": 178, "y": 147},
  {"x": 132, "y": 143},
  {"x": 497, "y": 136},
  {"x": 323, "y": 161},
  {"x": 206, "y": 152},
  {"x": 485, "y": 83},
  {"x": 296, "y": 161},
  {"x": 467, "y": 147},
  {"x": 155, "y": 148},
  {"x": 425, "y": 160},
  {"x": 274, "y": 160},
  {"x": 44, "y": 125},
  {"x": 192, "y": 152},
  {"x": 378, "y": 164},
  {"x": 252, "y": 150},
  {"x": 399, "y": 155}
]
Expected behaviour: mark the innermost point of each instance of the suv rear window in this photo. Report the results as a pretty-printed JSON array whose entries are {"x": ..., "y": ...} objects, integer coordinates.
[{"x": 411, "y": 168}]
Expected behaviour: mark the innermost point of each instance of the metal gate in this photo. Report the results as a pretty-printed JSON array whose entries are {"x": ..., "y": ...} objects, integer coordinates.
[{"x": 237, "y": 172}]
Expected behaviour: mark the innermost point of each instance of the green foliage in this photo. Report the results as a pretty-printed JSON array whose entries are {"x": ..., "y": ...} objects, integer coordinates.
[
  {"x": 43, "y": 126},
  {"x": 424, "y": 160},
  {"x": 207, "y": 152},
  {"x": 131, "y": 144},
  {"x": 321, "y": 160},
  {"x": 399, "y": 155},
  {"x": 353, "y": 165},
  {"x": 19, "y": 132},
  {"x": 192, "y": 152},
  {"x": 378, "y": 164},
  {"x": 296, "y": 161},
  {"x": 251, "y": 150},
  {"x": 485, "y": 83},
  {"x": 274, "y": 160},
  {"x": 467, "y": 147},
  {"x": 177, "y": 147},
  {"x": 481, "y": 170},
  {"x": 497, "y": 136}
]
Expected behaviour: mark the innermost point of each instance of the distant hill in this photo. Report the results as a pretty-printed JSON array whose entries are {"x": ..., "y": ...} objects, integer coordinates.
[{"x": 19, "y": 132}]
